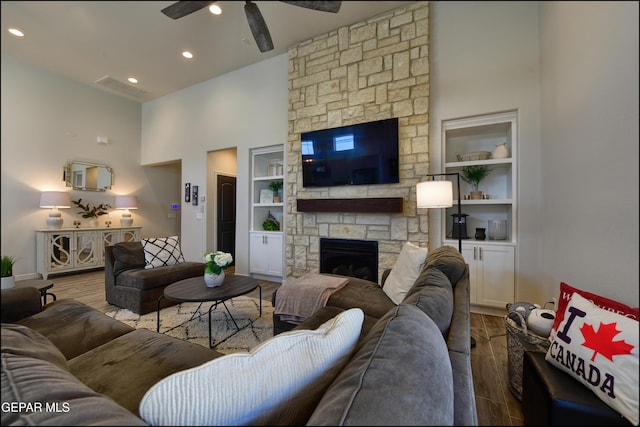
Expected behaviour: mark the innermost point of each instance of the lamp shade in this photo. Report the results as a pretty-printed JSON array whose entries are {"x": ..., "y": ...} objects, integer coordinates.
[
  {"x": 126, "y": 202},
  {"x": 434, "y": 194},
  {"x": 55, "y": 199}
]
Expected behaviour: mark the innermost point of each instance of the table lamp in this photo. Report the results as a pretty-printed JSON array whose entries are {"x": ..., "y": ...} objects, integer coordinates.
[
  {"x": 55, "y": 200},
  {"x": 126, "y": 203}
]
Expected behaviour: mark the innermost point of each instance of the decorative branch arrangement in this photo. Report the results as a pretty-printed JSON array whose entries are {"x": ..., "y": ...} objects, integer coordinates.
[{"x": 91, "y": 212}]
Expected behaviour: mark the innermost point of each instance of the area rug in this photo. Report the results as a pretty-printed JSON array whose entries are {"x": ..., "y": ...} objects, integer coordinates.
[{"x": 190, "y": 321}]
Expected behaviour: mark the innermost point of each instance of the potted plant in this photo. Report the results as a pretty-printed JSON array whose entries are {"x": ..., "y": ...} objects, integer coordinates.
[
  {"x": 91, "y": 212},
  {"x": 6, "y": 271},
  {"x": 473, "y": 175},
  {"x": 275, "y": 186}
]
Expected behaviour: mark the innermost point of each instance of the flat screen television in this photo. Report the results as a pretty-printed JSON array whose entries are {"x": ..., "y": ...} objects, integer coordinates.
[{"x": 365, "y": 153}]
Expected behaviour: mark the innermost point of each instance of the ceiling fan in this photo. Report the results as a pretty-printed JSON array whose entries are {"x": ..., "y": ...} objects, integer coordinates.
[{"x": 254, "y": 17}]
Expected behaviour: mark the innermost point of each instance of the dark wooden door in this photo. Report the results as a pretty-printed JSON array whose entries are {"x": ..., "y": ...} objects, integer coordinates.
[{"x": 226, "y": 226}]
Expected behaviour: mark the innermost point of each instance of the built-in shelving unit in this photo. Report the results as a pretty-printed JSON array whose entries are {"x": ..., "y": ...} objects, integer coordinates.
[
  {"x": 492, "y": 261},
  {"x": 267, "y": 246}
]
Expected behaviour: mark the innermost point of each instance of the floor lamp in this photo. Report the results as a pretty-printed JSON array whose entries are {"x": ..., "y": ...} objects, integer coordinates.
[{"x": 439, "y": 194}]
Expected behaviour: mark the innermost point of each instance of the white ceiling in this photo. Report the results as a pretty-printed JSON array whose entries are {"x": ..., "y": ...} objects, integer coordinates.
[{"x": 87, "y": 40}]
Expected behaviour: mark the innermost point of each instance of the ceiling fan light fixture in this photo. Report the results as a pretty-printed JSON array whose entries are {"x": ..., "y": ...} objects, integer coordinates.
[{"x": 215, "y": 9}]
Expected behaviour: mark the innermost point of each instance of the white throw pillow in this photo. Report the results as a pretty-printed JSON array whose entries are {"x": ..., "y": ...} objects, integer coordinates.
[
  {"x": 405, "y": 272},
  {"x": 262, "y": 386},
  {"x": 600, "y": 349},
  {"x": 162, "y": 251}
]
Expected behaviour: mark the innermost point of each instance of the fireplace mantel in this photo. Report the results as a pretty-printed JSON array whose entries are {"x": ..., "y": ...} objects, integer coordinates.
[{"x": 359, "y": 205}]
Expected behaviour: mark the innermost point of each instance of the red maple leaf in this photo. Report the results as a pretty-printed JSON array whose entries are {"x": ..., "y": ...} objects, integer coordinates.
[{"x": 602, "y": 341}]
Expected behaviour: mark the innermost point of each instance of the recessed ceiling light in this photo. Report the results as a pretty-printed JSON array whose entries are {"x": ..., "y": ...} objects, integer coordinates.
[
  {"x": 187, "y": 54},
  {"x": 215, "y": 9},
  {"x": 132, "y": 80},
  {"x": 16, "y": 32}
]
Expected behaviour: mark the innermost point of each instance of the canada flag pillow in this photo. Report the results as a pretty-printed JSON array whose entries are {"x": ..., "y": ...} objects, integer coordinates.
[
  {"x": 600, "y": 349},
  {"x": 567, "y": 291}
]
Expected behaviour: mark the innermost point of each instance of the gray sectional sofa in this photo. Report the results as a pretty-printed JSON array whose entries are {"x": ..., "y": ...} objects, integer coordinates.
[
  {"x": 441, "y": 295},
  {"x": 408, "y": 368}
]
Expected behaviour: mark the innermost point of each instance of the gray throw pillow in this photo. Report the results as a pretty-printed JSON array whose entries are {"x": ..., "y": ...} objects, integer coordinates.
[{"x": 128, "y": 256}]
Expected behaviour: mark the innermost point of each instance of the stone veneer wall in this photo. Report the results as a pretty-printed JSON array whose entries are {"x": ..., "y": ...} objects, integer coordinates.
[{"x": 371, "y": 70}]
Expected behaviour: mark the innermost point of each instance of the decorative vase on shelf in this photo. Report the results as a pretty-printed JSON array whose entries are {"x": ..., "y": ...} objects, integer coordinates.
[
  {"x": 93, "y": 222},
  {"x": 480, "y": 234},
  {"x": 212, "y": 280},
  {"x": 501, "y": 151}
]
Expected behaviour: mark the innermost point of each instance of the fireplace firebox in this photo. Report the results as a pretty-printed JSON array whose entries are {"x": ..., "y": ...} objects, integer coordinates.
[{"x": 349, "y": 257}]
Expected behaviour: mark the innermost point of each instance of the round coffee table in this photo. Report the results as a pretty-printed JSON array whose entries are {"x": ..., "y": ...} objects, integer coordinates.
[{"x": 195, "y": 290}]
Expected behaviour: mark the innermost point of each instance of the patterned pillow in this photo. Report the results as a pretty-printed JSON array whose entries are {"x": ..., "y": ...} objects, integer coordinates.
[
  {"x": 162, "y": 251},
  {"x": 567, "y": 291},
  {"x": 599, "y": 348}
]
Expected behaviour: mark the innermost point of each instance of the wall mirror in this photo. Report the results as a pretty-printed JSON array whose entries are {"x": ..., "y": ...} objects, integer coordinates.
[{"x": 87, "y": 176}]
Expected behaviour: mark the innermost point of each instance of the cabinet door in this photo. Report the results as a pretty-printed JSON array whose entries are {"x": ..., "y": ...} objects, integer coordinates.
[
  {"x": 266, "y": 253},
  {"x": 85, "y": 249},
  {"x": 130, "y": 235},
  {"x": 496, "y": 275},
  {"x": 491, "y": 274},
  {"x": 58, "y": 252}
]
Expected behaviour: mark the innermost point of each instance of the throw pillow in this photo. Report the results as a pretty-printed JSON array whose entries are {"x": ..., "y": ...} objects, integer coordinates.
[
  {"x": 567, "y": 291},
  {"x": 404, "y": 272},
  {"x": 280, "y": 381},
  {"x": 162, "y": 251},
  {"x": 600, "y": 349},
  {"x": 128, "y": 256}
]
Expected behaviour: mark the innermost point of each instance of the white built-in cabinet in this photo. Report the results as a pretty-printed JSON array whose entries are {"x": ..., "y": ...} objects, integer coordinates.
[
  {"x": 73, "y": 249},
  {"x": 266, "y": 253},
  {"x": 492, "y": 262},
  {"x": 266, "y": 247}
]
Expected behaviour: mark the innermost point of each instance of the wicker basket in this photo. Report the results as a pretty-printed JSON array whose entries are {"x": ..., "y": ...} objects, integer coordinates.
[
  {"x": 520, "y": 340},
  {"x": 473, "y": 155}
]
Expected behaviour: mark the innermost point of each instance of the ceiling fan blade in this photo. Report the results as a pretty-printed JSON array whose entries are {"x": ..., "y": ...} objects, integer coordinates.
[
  {"x": 258, "y": 27},
  {"x": 183, "y": 8},
  {"x": 324, "y": 6}
]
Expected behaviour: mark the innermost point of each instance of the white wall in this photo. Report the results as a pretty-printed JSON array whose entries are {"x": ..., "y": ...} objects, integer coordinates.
[
  {"x": 244, "y": 109},
  {"x": 484, "y": 59},
  {"x": 571, "y": 71},
  {"x": 590, "y": 147},
  {"x": 47, "y": 121}
]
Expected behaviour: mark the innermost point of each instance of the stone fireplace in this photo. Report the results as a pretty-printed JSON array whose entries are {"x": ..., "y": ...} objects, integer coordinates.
[
  {"x": 370, "y": 70},
  {"x": 349, "y": 257}
]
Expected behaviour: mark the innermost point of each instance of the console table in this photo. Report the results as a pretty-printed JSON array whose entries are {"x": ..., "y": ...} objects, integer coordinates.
[{"x": 65, "y": 250}]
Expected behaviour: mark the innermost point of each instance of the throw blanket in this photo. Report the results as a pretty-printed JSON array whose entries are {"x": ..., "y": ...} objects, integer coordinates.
[{"x": 300, "y": 298}]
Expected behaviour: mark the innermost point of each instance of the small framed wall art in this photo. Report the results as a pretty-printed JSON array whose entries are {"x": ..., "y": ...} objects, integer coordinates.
[{"x": 194, "y": 195}]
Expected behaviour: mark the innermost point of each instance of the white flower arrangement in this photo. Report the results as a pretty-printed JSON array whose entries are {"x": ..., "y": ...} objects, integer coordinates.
[{"x": 217, "y": 261}]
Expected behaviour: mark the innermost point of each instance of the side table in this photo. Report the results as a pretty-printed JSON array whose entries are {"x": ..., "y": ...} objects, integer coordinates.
[{"x": 43, "y": 286}]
